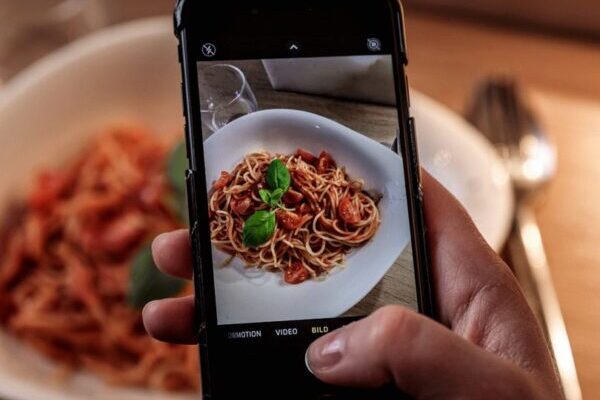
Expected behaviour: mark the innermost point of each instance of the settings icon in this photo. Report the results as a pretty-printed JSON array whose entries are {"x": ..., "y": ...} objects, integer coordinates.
[{"x": 374, "y": 44}]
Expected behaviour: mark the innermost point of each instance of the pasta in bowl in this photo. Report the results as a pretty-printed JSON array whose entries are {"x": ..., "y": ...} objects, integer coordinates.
[
  {"x": 297, "y": 213},
  {"x": 374, "y": 188}
]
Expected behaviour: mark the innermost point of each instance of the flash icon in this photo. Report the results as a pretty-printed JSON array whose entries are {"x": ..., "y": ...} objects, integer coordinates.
[
  {"x": 209, "y": 50},
  {"x": 374, "y": 44}
]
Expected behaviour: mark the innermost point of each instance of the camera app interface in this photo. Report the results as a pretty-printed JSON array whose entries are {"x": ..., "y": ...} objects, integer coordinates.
[{"x": 307, "y": 199}]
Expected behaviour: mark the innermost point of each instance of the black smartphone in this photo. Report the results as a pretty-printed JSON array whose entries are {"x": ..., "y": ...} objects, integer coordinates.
[{"x": 304, "y": 188}]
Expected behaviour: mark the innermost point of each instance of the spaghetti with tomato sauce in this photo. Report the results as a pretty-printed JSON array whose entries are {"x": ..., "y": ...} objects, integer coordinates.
[
  {"x": 65, "y": 262},
  {"x": 303, "y": 225}
]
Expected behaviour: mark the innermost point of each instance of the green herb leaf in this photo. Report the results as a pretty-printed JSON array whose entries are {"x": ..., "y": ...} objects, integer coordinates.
[
  {"x": 177, "y": 205},
  {"x": 278, "y": 176},
  {"x": 265, "y": 195},
  {"x": 147, "y": 283},
  {"x": 259, "y": 228},
  {"x": 276, "y": 196},
  {"x": 176, "y": 167},
  {"x": 176, "y": 200}
]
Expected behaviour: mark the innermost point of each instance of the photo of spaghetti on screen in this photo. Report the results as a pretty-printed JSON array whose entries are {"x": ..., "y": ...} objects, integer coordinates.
[{"x": 306, "y": 202}]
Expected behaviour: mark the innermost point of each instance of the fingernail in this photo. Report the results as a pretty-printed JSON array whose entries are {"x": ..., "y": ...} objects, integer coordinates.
[
  {"x": 159, "y": 238},
  {"x": 147, "y": 312},
  {"x": 325, "y": 353}
]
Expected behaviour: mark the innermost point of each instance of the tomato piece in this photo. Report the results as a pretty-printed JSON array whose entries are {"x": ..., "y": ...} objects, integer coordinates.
[
  {"x": 289, "y": 220},
  {"x": 348, "y": 212},
  {"x": 223, "y": 180},
  {"x": 292, "y": 197},
  {"x": 152, "y": 193},
  {"x": 304, "y": 209},
  {"x": 325, "y": 163},
  {"x": 295, "y": 273},
  {"x": 241, "y": 206},
  {"x": 117, "y": 236},
  {"x": 48, "y": 190},
  {"x": 306, "y": 156}
]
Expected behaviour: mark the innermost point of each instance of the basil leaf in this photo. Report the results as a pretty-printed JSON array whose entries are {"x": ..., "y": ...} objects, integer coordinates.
[
  {"x": 176, "y": 200},
  {"x": 265, "y": 195},
  {"x": 259, "y": 228},
  {"x": 278, "y": 176},
  {"x": 276, "y": 196},
  {"x": 176, "y": 167},
  {"x": 147, "y": 283},
  {"x": 176, "y": 204}
]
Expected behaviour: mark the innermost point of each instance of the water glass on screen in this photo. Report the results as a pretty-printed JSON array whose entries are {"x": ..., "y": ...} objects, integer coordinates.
[{"x": 227, "y": 96}]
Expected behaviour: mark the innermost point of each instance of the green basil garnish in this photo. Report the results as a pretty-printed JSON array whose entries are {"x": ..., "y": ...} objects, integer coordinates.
[
  {"x": 276, "y": 196},
  {"x": 176, "y": 200},
  {"x": 259, "y": 228},
  {"x": 147, "y": 283},
  {"x": 261, "y": 225},
  {"x": 265, "y": 195},
  {"x": 176, "y": 167},
  {"x": 272, "y": 198},
  {"x": 278, "y": 176}
]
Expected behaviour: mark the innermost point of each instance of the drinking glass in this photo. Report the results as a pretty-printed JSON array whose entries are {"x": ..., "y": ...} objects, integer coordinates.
[{"x": 225, "y": 95}]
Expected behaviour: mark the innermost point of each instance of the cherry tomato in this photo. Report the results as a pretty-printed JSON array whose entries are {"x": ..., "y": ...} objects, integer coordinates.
[
  {"x": 289, "y": 220},
  {"x": 241, "y": 206},
  {"x": 295, "y": 273},
  {"x": 325, "y": 163},
  {"x": 306, "y": 156},
  {"x": 223, "y": 180},
  {"x": 291, "y": 197},
  {"x": 348, "y": 212}
]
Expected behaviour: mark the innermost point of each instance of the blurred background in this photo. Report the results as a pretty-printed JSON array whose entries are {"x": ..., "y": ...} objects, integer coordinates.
[{"x": 469, "y": 56}]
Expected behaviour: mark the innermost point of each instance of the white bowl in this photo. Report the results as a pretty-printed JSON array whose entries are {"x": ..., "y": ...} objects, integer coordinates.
[
  {"x": 252, "y": 295},
  {"x": 46, "y": 114}
]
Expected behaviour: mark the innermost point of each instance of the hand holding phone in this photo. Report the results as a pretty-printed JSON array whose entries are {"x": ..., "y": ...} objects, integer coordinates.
[
  {"x": 489, "y": 345},
  {"x": 305, "y": 209}
]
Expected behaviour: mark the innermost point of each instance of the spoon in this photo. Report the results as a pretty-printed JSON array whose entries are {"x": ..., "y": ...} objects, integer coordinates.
[{"x": 530, "y": 158}]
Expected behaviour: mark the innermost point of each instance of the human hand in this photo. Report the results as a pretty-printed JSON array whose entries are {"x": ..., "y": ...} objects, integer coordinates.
[{"x": 487, "y": 343}]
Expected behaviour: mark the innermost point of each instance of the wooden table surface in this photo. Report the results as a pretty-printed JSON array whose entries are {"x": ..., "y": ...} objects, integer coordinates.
[{"x": 448, "y": 57}]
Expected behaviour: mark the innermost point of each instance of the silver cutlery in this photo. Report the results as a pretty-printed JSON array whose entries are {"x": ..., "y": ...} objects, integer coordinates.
[{"x": 500, "y": 113}]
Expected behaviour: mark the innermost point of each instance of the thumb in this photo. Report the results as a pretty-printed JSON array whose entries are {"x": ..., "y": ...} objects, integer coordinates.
[{"x": 419, "y": 356}]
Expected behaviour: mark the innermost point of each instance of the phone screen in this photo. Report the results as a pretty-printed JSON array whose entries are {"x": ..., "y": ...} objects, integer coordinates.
[
  {"x": 307, "y": 201},
  {"x": 307, "y": 210}
]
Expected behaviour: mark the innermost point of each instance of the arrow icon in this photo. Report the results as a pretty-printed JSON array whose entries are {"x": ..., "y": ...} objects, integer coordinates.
[{"x": 294, "y": 46}]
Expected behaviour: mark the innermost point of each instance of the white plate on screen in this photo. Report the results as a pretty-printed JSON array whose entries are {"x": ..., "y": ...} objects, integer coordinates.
[
  {"x": 253, "y": 295},
  {"x": 54, "y": 107}
]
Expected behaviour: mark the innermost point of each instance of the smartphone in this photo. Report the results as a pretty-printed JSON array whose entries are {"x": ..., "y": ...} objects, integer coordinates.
[{"x": 304, "y": 190}]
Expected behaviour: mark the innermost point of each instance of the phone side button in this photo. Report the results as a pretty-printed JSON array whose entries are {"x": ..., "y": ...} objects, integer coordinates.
[
  {"x": 202, "y": 336},
  {"x": 183, "y": 102},
  {"x": 190, "y": 182},
  {"x": 415, "y": 156}
]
